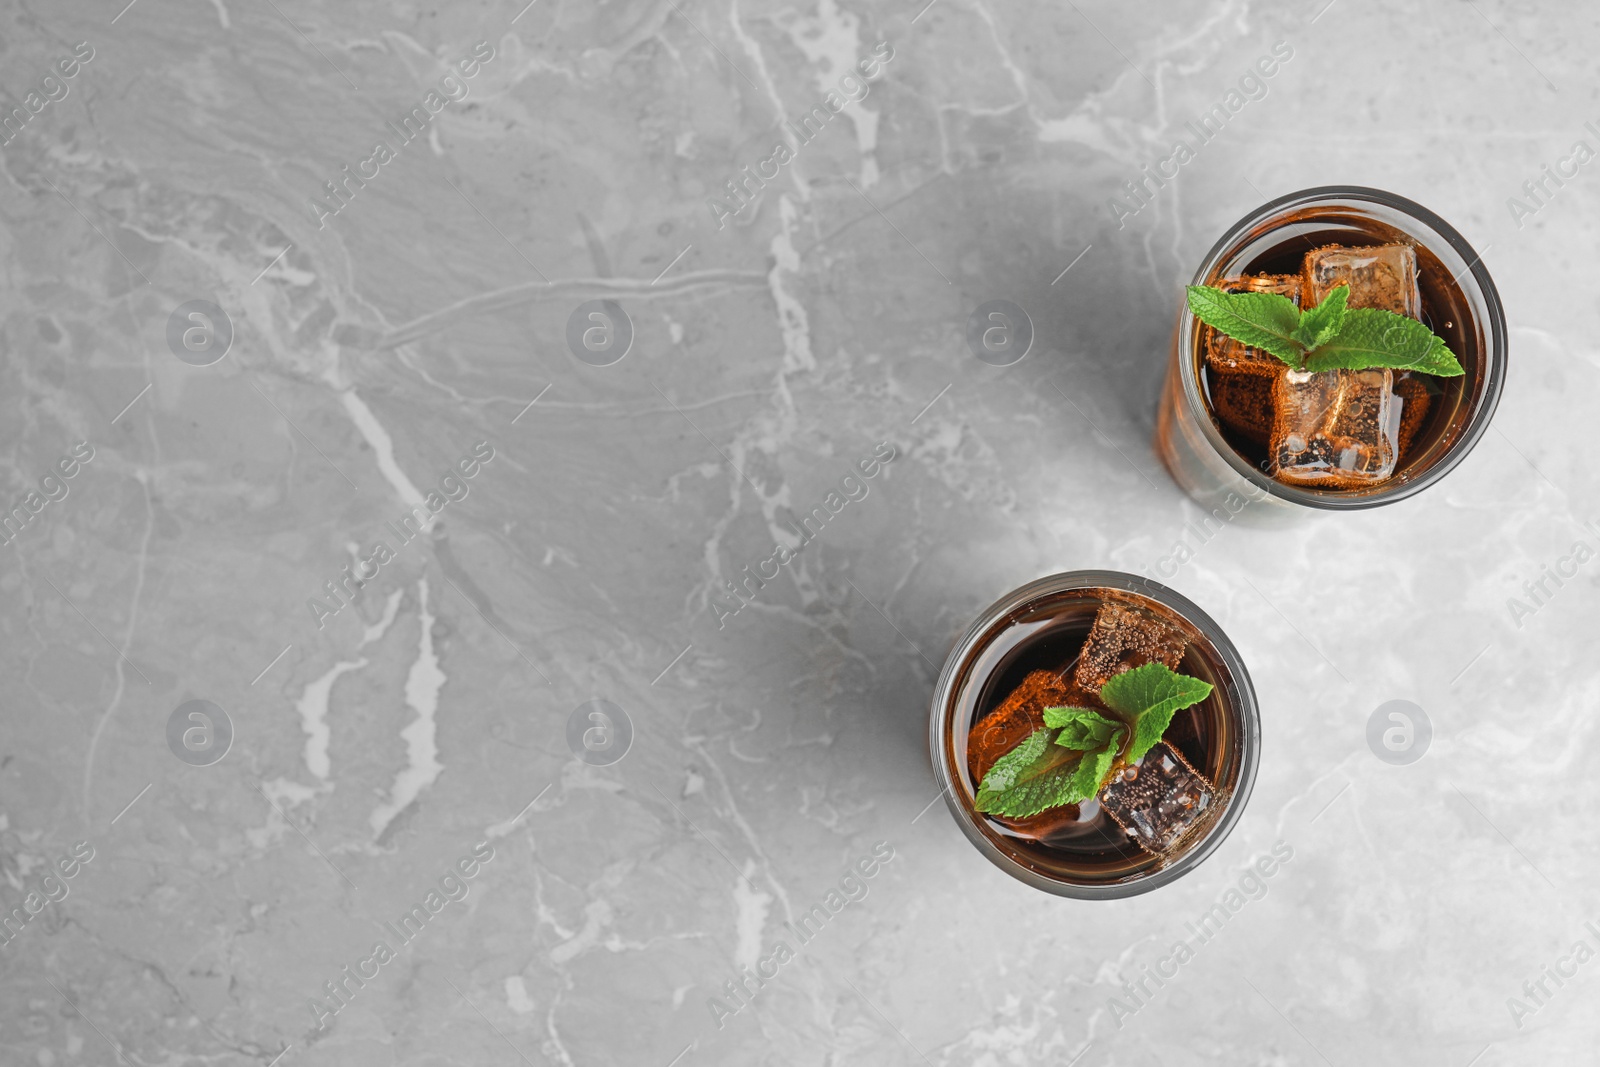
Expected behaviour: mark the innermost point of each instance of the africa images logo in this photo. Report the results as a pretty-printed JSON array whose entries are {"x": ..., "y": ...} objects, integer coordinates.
[
  {"x": 739, "y": 993},
  {"x": 852, "y": 89},
  {"x": 51, "y": 890},
  {"x": 51, "y": 90},
  {"x": 800, "y": 534},
  {"x": 346, "y": 587},
  {"x": 1252, "y": 86},
  {"x": 51, "y": 489},
  {"x": 453, "y": 887},
  {"x": 451, "y": 89}
]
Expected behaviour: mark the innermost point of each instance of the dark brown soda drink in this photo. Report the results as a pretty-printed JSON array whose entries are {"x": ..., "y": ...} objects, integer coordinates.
[
  {"x": 1220, "y": 426},
  {"x": 1053, "y": 644}
]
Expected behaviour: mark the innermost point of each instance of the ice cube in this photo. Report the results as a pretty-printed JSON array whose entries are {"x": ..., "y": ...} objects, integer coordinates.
[
  {"x": 1158, "y": 801},
  {"x": 1018, "y": 715},
  {"x": 1243, "y": 404},
  {"x": 1224, "y": 355},
  {"x": 1334, "y": 429},
  {"x": 1382, "y": 276},
  {"x": 1125, "y": 636},
  {"x": 1413, "y": 394}
]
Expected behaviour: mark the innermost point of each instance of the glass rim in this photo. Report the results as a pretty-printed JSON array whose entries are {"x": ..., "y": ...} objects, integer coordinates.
[
  {"x": 1241, "y": 700},
  {"x": 1493, "y": 327}
]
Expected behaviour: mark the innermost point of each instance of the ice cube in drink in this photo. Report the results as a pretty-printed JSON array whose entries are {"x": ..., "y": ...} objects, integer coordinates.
[
  {"x": 1159, "y": 800},
  {"x": 1412, "y": 392},
  {"x": 1226, "y": 356},
  {"x": 1379, "y": 276},
  {"x": 1344, "y": 429},
  {"x": 1243, "y": 404},
  {"x": 1018, "y": 715},
  {"x": 1125, "y": 636},
  {"x": 1334, "y": 429}
]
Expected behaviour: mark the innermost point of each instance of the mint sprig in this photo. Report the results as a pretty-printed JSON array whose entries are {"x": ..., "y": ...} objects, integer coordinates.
[
  {"x": 1068, "y": 760},
  {"x": 1097, "y": 737},
  {"x": 1329, "y": 336},
  {"x": 1261, "y": 320},
  {"x": 1319, "y": 325},
  {"x": 1148, "y": 697},
  {"x": 1033, "y": 777},
  {"x": 1083, "y": 729}
]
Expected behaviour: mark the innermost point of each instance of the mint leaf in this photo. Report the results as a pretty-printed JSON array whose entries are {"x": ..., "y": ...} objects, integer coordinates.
[
  {"x": 1261, "y": 320},
  {"x": 1371, "y": 337},
  {"x": 1147, "y": 697},
  {"x": 1083, "y": 729},
  {"x": 1441, "y": 361},
  {"x": 1038, "y": 775},
  {"x": 1322, "y": 322},
  {"x": 1094, "y": 767},
  {"x": 1032, "y": 777}
]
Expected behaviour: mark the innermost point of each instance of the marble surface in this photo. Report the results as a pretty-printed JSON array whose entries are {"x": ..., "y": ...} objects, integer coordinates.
[{"x": 580, "y": 152}]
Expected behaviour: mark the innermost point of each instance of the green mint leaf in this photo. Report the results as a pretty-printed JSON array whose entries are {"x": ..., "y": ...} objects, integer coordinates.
[
  {"x": 1370, "y": 337},
  {"x": 1083, "y": 729},
  {"x": 1094, "y": 768},
  {"x": 1322, "y": 322},
  {"x": 1032, "y": 777},
  {"x": 1038, "y": 774},
  {"x": 1261, "y": 320},
  {"x": 1147, "y": 697},
  {"x": 1098, "y": 737},
  {"x": 1009, "y": 768},
  {"x": 1441, "y": 361}
]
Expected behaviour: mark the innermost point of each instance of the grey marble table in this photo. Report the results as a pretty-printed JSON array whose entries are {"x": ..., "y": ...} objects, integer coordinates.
[{"x": 549, "y": 322}]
